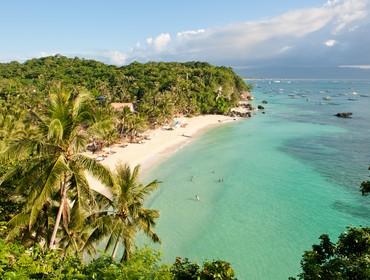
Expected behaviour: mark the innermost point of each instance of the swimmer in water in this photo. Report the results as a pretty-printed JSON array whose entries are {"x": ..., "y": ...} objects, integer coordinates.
[{"x": 197, "y": 197}]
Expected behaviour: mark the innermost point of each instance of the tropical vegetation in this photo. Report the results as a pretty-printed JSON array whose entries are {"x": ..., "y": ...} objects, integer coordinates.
[
  {"x": 17, "y": 262},
  {"x": 52, "y": 110},
  {"x": 347, "y": 259}
]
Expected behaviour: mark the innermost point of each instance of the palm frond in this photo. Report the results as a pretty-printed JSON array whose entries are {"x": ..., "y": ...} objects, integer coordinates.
[
  {"x": 18, "y": 222},
  {"x": 55, "y": 176},
  {"x": 98, "y": 170},
  {"x": 56, "y": 131}
]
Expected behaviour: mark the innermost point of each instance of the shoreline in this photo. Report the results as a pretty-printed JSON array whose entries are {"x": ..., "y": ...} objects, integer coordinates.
[{"x": 162, "y": 144}]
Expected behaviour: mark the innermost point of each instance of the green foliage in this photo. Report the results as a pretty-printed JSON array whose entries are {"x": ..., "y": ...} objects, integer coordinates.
[
  {"x": 117, "y": 223},
  {"x": 348, "y": 259},
  {"x": 144, "y": 264},
  {"x": 19, "y": 263},
  {"x": 16, "y": 262},
  {"x": 365, "y": 187},
  {"x": 50, "y": 171},
  {"x": 159, "y": 90},
  {"x": 183, "y": 269},
  {"x": 50, "y": 109},
  {"x": 217, "y": 270}
]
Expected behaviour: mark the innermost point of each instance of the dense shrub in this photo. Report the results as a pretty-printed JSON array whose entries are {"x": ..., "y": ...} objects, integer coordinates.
[
  {"x": 348, "y": 259},
  {"x": 19, "y": 263}
]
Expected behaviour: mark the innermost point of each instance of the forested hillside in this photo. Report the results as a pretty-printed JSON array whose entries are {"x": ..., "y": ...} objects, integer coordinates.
[{"x": 158, "y": 90}]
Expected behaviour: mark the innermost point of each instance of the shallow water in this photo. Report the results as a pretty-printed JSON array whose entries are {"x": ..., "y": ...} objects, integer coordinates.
[{"x": 288, "y": 176}]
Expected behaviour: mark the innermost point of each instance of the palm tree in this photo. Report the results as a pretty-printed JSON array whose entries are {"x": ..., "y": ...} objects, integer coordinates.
[
  {"x": 130, "y": 123},
  {"x": 129, "y": 215},
  {"x": 123, "y": 120},
  {"x": 52, "y": 167}
]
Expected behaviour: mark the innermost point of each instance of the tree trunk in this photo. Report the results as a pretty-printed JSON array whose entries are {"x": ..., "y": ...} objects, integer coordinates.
[
  {"x": 59, "y": 215},
  {"x": 127, "y": 251},
  {"x": 115, "y": 249}
]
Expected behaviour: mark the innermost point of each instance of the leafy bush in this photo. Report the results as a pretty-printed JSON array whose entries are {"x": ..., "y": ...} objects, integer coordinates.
[
  {"x": 183, "y": 269},
  {"x": 19, "y": 263},
  {"x": 348, "y": 259},
  {"x": 144, "y": 264},
  {"x": 217, "y": 270}
]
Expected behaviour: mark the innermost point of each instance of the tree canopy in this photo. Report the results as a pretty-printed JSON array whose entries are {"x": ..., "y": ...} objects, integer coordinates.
[
  {"x": 158, "y": 89},
  {"x": 347, "y": 259}
]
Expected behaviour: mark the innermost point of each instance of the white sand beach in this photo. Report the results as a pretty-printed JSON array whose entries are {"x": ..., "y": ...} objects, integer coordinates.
[{"x": 161, "y": 145}]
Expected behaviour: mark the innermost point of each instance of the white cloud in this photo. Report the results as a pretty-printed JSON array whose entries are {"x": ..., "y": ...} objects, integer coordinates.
[
  {"x": 348, "y": 12},
  {"x": 294, "y": 34},
  {"x": 363, "y": 67},
  {"x": 149, "y": 40},
  {"x": 330, "y": 43},
  {"x": 110, "y": 57},
  {"x": 285, "y": 49},
  {"x": 44, "y": 54},
  {"x": 159, "y": 42},
  {"x": 256, "y": 40},
  {"x": 187, "y": 34},
  {"x": 117, "y": 57}
]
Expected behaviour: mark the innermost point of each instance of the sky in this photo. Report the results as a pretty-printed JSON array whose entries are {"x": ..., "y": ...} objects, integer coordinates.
[{"x": 247, "y": 35}]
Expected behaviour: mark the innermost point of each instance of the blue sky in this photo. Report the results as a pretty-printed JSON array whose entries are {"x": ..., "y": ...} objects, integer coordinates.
[
  {"x": 79, "y": 26},
  {"x": 234, "y": 32}
]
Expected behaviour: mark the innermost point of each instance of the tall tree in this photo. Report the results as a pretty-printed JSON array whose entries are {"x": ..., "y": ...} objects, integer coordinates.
[
  {"x": 52, "y": 168},
  {"x": 129, "y": 215}
]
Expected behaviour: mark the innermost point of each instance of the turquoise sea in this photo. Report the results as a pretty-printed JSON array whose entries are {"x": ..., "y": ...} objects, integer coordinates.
[{"x": 288, "y": 176}]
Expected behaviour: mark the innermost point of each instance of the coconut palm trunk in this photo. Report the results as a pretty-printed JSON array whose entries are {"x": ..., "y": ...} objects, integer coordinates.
[
  {"x": 115, "y": 249},
  {"x": 63, "y": 200},
  {"x": 128, "y": 248}
]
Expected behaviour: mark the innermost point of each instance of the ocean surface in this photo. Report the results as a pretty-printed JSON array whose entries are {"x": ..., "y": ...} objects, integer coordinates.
[{"x": 287, "y": 176}]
